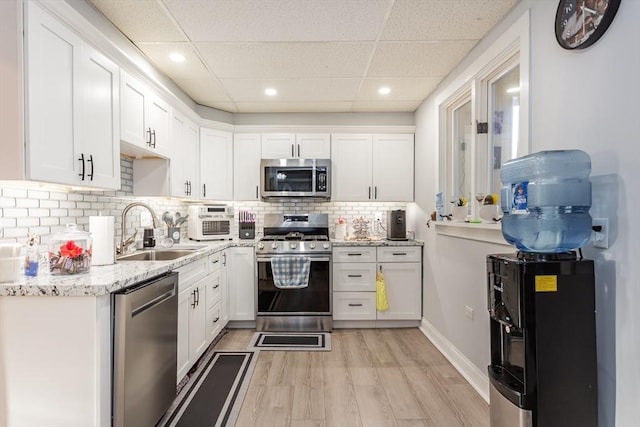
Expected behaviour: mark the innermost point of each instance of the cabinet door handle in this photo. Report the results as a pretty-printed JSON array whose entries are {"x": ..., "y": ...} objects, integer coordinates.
[
  {"x": 298, "y": 150},
  {"x": 189, "y": 187},
  {"x": 354, "y": 275},
  {"x": 198, "y": 296},
  {"x": 216, "y": 320},
  {"x": 204, "y": 190},
  {"x": 149, "y": 135},
  {"x": 369, "y": 192},
  {"x": 375, "y": 192},
  {"x": 354, "y": 254},
  {"x": 224, "y": 259},
  {"x": 256, "y": 192},
  {"x": 216, "y": 286},
  {"x": 293, "y": 154},
  {"x": 193, "y": 304},
  {"x": 153, "y": 134},
  {"x": 355, "y": 305},
  {"x": 81, "y": 160},
  {"x": 215, "y": 261},
  {"x": 90, "y": 175},
  {"x": 186, "y": 188}
]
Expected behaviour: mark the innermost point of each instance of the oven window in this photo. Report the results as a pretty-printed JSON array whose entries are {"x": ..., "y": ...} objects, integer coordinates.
[
  {"x": 289, "y": 179},
  {"x": 315, "y": 298}
]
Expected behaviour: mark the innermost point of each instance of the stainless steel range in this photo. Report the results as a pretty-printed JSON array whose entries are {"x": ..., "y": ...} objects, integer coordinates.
[{"x": 291, "y": 238}]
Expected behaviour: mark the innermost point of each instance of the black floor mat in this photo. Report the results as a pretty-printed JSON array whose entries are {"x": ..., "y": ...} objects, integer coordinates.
[
  {"x": 320, "y": 341},
  {"x": 210, "y": 398}
]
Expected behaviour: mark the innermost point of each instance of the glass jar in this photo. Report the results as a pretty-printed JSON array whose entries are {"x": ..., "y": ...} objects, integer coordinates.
[{"x": 70, "y": 251}]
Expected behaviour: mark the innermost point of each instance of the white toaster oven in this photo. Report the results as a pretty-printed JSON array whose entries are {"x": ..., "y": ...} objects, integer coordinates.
[{"x": 210, "y": 222}]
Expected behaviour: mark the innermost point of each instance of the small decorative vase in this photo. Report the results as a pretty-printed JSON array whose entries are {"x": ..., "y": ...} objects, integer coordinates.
[{"x": 459, "y": 213}]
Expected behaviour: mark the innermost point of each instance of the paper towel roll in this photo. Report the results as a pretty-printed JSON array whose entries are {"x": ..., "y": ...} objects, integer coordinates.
[{"x": 102, "y": 229}]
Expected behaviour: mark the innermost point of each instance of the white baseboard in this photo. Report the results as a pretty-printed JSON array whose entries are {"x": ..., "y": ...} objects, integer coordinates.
[{"x": 478, "y": 379}]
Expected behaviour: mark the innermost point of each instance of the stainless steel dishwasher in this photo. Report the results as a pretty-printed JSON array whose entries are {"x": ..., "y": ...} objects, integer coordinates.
[{"x": 145, "y": 332}]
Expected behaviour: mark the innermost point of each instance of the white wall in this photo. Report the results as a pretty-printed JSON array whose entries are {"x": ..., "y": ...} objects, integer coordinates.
[{"x": 579, "y": 99}]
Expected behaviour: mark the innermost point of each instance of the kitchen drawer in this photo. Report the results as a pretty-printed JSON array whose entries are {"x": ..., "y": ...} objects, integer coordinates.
[
  {"x": 214, "y": 321},
  {"x": 191, "y": 273},
  {"x": 354, "y": 306},
  {"x": 354, "y": 254},
  {"x": 400, "y": 254},
  {"x": 214, "y": 288},
  {"x": 354, "y": 277},
  {"x": 214, "y": 262}
]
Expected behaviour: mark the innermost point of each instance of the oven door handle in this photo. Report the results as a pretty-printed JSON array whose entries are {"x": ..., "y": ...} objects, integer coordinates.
[{"x": 313, "y": 258}]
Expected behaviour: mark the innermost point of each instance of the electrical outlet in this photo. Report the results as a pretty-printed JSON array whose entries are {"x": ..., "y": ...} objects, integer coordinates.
[
  {"x": 145, "y": 219},
  {"x": 468, "y": 311},
  {"x": 600, "y": 238},
  {"x": 378, "y": 216}
]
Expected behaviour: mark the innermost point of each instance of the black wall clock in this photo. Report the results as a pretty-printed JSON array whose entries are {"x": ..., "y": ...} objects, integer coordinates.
[{"x": 580, "y": 23}]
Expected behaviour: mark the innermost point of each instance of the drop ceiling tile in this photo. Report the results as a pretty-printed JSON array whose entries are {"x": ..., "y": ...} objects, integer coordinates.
[
  {"x": 405, "y": 89},
  {"x": 444, "y": 20},
  {"x": 280, "y": 20},
  {"x": 294, "y": 90},
  {"x": 286, "y": 60},
  {"x": 191, "y": 68},
  {"x": 435, "y": 59},
  {"x": 294, "y": 107},
  {"x": 385, "y": 106},
  {"x": 140, "y": 20},
  {"x": 204, "y": 91}
]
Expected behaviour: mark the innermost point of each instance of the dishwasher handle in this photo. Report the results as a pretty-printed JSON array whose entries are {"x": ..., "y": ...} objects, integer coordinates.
[{"x": 154, "y": 302}]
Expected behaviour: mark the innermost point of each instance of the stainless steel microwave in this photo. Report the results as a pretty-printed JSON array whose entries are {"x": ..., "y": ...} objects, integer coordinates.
[{"x": 281, "y": 178}]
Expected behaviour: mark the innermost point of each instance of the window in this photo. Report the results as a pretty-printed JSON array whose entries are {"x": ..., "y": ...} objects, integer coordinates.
[{"x": 484, "y": 120}]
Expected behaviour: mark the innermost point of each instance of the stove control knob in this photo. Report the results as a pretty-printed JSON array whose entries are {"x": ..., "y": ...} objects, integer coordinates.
[
  {"x": 325, "y": 246},
  {"x": 312, "y": 245},
  {"x": 260, "y": 246},
  {"x": 274, "y": 245},
  {"x": 293, "y": 245}
]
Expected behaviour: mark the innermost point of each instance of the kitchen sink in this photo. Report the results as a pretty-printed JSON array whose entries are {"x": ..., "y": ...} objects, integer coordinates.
[{"x": 156, "y": 255}]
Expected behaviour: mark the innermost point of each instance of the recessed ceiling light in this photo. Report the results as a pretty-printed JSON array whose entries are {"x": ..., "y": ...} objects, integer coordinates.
[
  {"x": 384, "y": 90},
  {"x": 270, "y": 92},
  {"x": 515, "y": 89},
  {"x": 177, "y": 57}
]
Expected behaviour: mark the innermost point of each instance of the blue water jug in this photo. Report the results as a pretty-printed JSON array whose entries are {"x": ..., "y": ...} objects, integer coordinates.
[{"x": 546, "y": 197}]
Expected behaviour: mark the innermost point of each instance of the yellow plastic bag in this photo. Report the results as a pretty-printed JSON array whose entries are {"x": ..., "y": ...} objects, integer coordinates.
[{"x": 381, "y": 293}]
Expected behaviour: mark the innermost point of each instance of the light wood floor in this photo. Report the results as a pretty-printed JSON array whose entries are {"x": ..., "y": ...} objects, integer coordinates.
[{"x": 371, "y": 377}]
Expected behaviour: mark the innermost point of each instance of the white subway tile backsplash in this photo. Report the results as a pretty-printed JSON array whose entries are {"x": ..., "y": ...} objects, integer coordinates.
[
  {"x": 75, "y": 196},
  {"x": 49, "y": 204},
  {"x": 57, "y": 196},
  {"x": 39, "y": 212},
  {"x": 27, "y": 203},
  {"x": 15, "y": 232},
  {"x": 58, "y": 212},
  {"x": 7, "y": 222},
  {"x": 83, "y": 205},
  {"x": 16, "y": 193},
  {"x": 27, "y": 222},
  {"x": 67, "y": 205},
  {"x": 15, "y": 213},
  {"x": 51, "y": 220},
  {"x": 35, "y": 194},
  {"x": 76, "y": 212},
  {"x": 6, "y": 202}
]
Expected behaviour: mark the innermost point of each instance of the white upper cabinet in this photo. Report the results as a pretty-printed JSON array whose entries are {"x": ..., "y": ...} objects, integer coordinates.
[
  {"x": 144, "y": 117},
  {"x": 351, "y": 173},
  {"x": 216, "y": 163},
  {"x": 296, "y": 146},
  {"x": 184, "y": 175},
  {"x": 72, "y": 107},
  {"x": 372, "y": 167},
  {"x": 393, "y": 168},
  {"x": 246, "y": 166}
]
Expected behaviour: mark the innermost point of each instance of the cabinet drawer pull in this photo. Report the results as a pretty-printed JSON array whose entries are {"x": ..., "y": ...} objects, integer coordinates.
[
  {"x": 399, "y": 253},
  {"x": 216, "y": 320},
  {"x": 355, "y": 305},
  {"x": 90, "y": 160},
  {"x": 354, "y": 254},
  {"x": 81, "y": 160},
  {"x": 354, "y": 275},
  {"x": 149, "y": 135},
  {"x": 216, "y": 286},
  {"x": 215, "y": 261}
]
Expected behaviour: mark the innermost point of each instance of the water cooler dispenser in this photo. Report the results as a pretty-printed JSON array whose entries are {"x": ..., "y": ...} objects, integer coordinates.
[
  {"x": 541, "y": 300},
  {"x": 543, "y": 342}
]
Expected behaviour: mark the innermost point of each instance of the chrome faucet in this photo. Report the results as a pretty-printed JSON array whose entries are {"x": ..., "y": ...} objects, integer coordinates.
[{"x": 124, "y": 241}]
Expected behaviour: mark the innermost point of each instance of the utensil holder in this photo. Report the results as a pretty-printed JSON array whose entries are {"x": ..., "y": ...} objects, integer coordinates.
[{"x": 174, "y": 233}]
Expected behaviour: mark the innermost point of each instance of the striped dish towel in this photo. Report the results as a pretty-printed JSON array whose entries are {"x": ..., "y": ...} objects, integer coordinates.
[{"x": 290, "y": 272}]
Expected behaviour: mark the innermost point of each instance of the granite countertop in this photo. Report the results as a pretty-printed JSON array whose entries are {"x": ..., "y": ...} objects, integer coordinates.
[
  {"x": 380, "y": 242},
  {"x": 102, "y": 280}
]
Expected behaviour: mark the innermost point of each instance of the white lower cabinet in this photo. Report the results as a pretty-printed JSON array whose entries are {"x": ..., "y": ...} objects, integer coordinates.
[
  {"x": 200, "y": 309},
  {"x": 354, "y": 282},
  {"x": 239, "y": 265}
]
